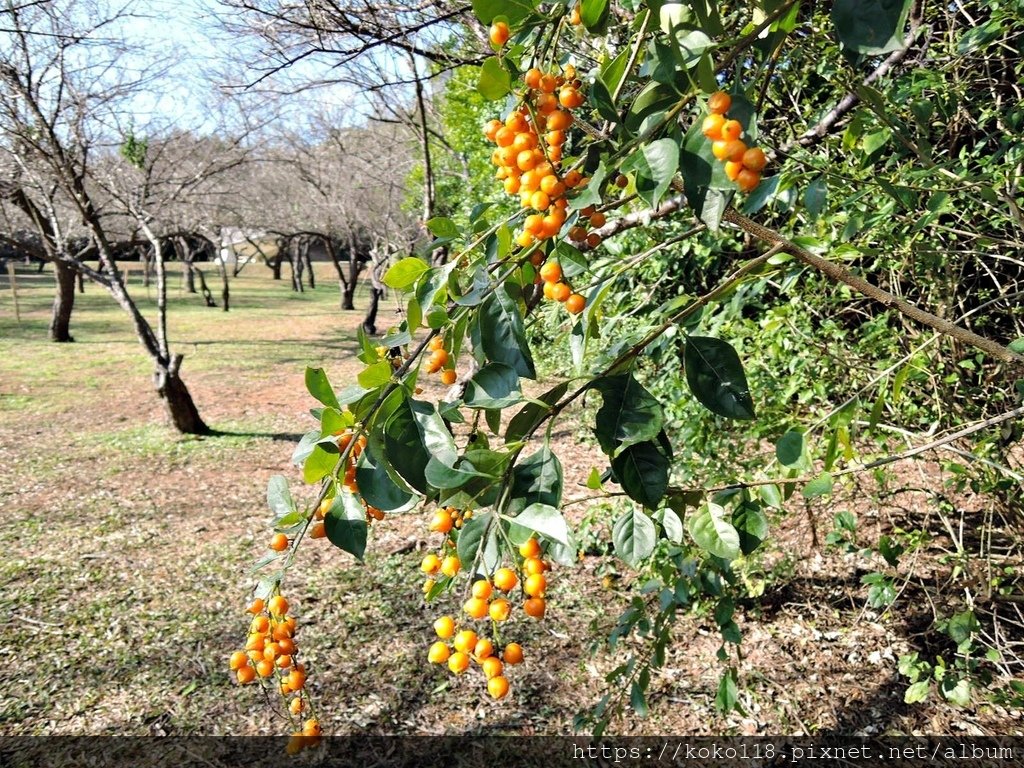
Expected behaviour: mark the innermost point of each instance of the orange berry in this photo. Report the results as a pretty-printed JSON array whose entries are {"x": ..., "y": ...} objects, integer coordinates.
[
  {"x": 296, "y": 706},
  {"x": 533, "y": 565},
  {"x": 560, "y": 291},
  {"x": 548, "y": 83},
  {"x": 458, "y": 662},
  {"x": 238, "y": 660},
  {"x": 491, "y": 128},
  {"x": 549, "y": 290},
  {"x": 748, "y": 180},
  {"x": 296, "y": 679},
  {"x": 500, "y": 609},
  {"x": 256, "y": 606},
  {"x": 552, "y": 224},
  {"x": 524, "y": 141},
  {"x": 540, "y": 201},
  {"x": 265, "y": 668},
  {"x": 284, "y": 661},
  {"x": 754, "y": 159},
  {"x": 559, "y": 120},
  {"x": 431, "y": 564},
  {"x": 499, "y": 33},
  {"x": 475, "y": 608},
  {"x": 526, "y": 160},
  {"x": 534, "y": 223},
  {"x": 504, "y": 137},
  {"x": 245, "y": 675},
  {"x": 448, "y": 377},
  {"x": 271, "y": 651},
  {"x": 483, "y": 649},
  {"x": 524, "y": 239},
  {"x": 551, "y": 272},
  {"x": 569, "y": 97},
  {"x": 445, "y": 627},
  {"x": 621, "y": 181},
  {"x": 578, "y": 234},
  {"x": 279, "y": 542},
  {"x": 532, "y": 78},
  {"x": 513, "y": 654},
  {"x": 555, "y": 138},
  {"x": 719, "y": 103},
  {"x": 534, "y": 607},
  {"x": 278, "y": 605},
  {"x": 575, "y": 304},
  {"x": 732, "y": 170},
  {"x": 497, "y": 687},
  {"x": 731, "y": 130},
  {"x": 465, "y": 641},
  {"x": 438, "y": 653},
  {"x": 255, "y": 642},
  {"x": 597, "y": 220},
  {"x": 552, "y": 186},
  {"x": 311, "y": 728},
  {"x": 505, "y": 579},
  {"x": 530, "y": 548},
  {"x": 317, "y": 530},
  {"x": 482, "y": 589},
  {"x": 450, "y": 565},
  {"x": 575, "y": 17},
  {"x": 286, "y": 646},
  {"x": 511, "y": 185},
  {"x": 712, "y": 126},
  {"x": 573, "y": 178},
  {"x": 492, "y": 667},
  {"x": 535, "y": 585},
  {"x": 441, "y": 522},
  {"x": 594, "y": 240},
  {"x": 260, "y": 624}
]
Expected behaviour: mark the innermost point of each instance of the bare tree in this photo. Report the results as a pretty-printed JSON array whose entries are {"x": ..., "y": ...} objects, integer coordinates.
[{"x": 59, "y": 77}]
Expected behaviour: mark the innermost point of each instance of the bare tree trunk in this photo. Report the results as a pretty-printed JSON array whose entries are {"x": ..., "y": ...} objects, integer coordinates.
[
  {"x": 296, "y": 262},
  {"x": 308, "y": 261},
  {"x": 177, "y": 399},
  {"x": 342, "y": 282},
  {"x": 205, "y": 289},
  {"x": 81, "y": 283},
  {"x": 225, "y": 291},
  {"x": 63, "y": 302}
]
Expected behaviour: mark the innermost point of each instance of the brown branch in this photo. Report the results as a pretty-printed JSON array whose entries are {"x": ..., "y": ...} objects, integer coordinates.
[{"x": 842, "y": 275}]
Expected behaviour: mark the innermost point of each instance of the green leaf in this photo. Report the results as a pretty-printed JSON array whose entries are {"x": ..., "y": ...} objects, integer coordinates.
[
  {"x": 642, "y": 471},
  {"x": 413, "y": 433},
  {"x": 502, "y": 334},
  {"x": 440, "y": 475},
  {"x": 751, "y": 525},
  {"x": 404, "y": 273},
  {"x": 590, "y": 194},
  {"x": 1017, "y": 345},
  {"x": 495, "y": 385},
  {"x": 320, "y": 388},
  {"x": 713, "y": 533},
  {"x": 442, "y": 226},
  {"x": 655, "y": 165},
  {"x": 545, "y": 520},
  {"x": 715, "y": 375},
  {"x": 634, "y": 536},
  {"x": 345, "y": 524},
  {"x": 671, "y": 524},
  {"x": 790, "y": 448},
  {"x": 962, "y": 626},
  {"x": 594, "y": 13},
  {"x": 514, "y": 11},
  {"x": 601, "y": 99},
  {"x": 537, "y": 479},
  {"x": 629, "y": 413},
  {"x": 375, "y": 375},
  {"x": 494, "y": 81},
  {"x": 870, "y": 27},
  {"x": 727, "y": 698},
  {"x": 376, "y": 486},
  {"x": 637, "y": 700},
  {"x": 916, "y": 693},
  {"x": 816, "y": 196},
  {"x": 279, "y": 498},
  {"x": 819, "y": 486},
  {"x": 956, "y": 691},
  {"x": 319, "y": 463},
  {"x": 594, "y": 480},
  {"x": 478, "y": 532},
  {"x": 533, "y": 413}
]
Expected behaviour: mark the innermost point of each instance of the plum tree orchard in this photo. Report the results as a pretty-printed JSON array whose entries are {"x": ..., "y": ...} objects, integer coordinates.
[{"x": 609, "y": 119}]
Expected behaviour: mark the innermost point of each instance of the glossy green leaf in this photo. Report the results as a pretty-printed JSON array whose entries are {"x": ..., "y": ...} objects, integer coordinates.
[
  {"x": 495, "y": 385},
  {"x": 871, "y": 27},
  {"x": 634, "y": 536},
  {"x": 751, "y": 525},
  {"x": 279, "y": 498},
  {"x": 375, "y": 375},
  {"x": 320, "y": 388},
  {"x": 494, "y": 80},
  {"x": 642, "y": 471},
  {"x": 376, "y": 485},
  {"x": 789, "y": 449},
  {"x": 629, "y": 413},
  {"x": 531, "y": 414},
  {"x": 442, "y": 226},
  {"x": 320, "y": 462},
  {"x": 594, "y": 13},
  {"x": 713, "y": 533},
  {"x": 403, "y": 274},
  {"x": 670, "y": 524},
  {"x": 537, "y": 479},
  {"x": 655, "y": 165},
  {"x": 545, "y": 520},
  {"x": 502, "y": 334},
  {"x": 514, "y": 11},
  {"x": 345, "y": 524},
  {"x": 716, "y": 378},
  {"x": 819, "y": 486}
]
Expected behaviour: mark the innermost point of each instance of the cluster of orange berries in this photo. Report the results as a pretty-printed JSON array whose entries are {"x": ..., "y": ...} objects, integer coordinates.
[
  {"x": 438, "y": 359},
  {"x": 489, "y": 599},
  {"x": 271, "y": 652},
  {"x": 344, "y": 441},
  {"x": 558, "y": 290},
  {"x": 529, "y": 151},
  {"x": 743, "y": 164}
]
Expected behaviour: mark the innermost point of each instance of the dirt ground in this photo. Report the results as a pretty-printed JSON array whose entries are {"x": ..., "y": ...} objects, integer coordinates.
[{"x": 127, "y": 551}]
